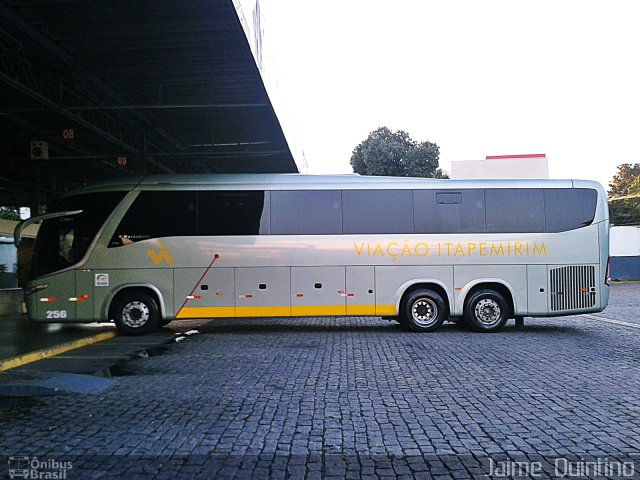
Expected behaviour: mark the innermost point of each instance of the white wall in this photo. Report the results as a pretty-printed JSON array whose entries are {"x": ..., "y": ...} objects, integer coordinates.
[
  {"x": 625, "y": 241},
  {"x": 507, "y": 167}
]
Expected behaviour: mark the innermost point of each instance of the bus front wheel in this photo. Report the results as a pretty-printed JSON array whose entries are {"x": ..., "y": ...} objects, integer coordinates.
[
  {"x": 135, "y": 313},
  {"x": 423, "y": 311},
  {"x": 486, "y": 311}
]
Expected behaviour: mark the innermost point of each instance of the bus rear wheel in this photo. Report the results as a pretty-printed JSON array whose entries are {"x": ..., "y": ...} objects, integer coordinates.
[
  {"x": 423, "y": 311},
  {"x": 135, "y": 313},
  {"x": 486, "y": 311}
]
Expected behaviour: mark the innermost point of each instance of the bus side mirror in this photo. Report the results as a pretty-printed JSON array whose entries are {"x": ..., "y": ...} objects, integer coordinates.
[{"x": 17, "y": 232}]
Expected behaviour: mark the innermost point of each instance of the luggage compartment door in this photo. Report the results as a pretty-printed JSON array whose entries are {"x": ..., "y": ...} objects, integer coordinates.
[
  {"x": 361, "y": 297},
  {"x": 209, "y": 294},
  {"x": 263, "y": 292},
  {"x": 318, "y": 291}
]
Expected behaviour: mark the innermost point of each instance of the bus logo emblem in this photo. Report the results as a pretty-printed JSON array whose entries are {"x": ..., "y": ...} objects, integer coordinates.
[{"x": 163, "y": 255}]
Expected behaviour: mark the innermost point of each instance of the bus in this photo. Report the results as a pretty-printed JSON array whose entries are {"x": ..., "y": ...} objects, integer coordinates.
[{"x": 143, "y": 252}]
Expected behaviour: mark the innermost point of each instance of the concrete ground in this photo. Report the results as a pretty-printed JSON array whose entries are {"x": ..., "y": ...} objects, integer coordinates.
[
  {"x": 19, "y": 335},
  {"x": 345, "y": 398}
]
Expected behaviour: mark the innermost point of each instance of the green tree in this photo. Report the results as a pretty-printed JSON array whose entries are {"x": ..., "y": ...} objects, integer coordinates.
[
  {"x": 396, "y": 154},
  {"x": 624, "y": 195},
  {"x": 7, "y": 213}
]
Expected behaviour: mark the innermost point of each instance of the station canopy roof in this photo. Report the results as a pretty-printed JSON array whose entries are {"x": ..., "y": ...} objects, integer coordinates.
[{"x": 95, "y": 90}]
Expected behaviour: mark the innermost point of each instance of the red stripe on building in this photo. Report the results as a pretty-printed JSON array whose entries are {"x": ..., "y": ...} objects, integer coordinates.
[{"x": 502, "y": 157}]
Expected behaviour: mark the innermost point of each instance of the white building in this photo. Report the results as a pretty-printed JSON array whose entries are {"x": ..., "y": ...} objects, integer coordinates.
[
  {"x": 502, "y": 166},
  {"x": 625, "y": 253}
]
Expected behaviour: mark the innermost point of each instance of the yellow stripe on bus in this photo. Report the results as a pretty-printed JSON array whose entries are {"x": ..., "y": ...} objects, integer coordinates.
[
  {"x": 263, "y": 311},
  {"x": 206, "y": 312},
  {"x": 286, "y": 311},
  {"x": 386, "y": 310},
  {"x": 317, "y": 310},
  {"x": 361, "y": 310}
]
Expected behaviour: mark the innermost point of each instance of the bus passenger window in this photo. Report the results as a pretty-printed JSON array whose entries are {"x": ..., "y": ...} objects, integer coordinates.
[
  {"x": 231, "y": 213},
  {"x": 156, "y": 214},
  {"x": 377, "y": 211},
  {"x": 511, "y": 210},
  {"x": 306, "y": 212},
  {"x": 569, "y": 208},
  {"x": 450, "y": 211}
]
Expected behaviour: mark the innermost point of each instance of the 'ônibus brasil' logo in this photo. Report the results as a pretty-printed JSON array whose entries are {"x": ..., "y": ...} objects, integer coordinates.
[{"x": 162, "y": 256}]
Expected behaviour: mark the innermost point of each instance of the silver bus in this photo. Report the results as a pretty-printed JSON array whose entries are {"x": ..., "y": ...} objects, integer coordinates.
[{"x": 143, "y": 252}]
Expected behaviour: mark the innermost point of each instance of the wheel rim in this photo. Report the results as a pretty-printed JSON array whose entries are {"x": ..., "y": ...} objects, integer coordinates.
[
  {"x": 135, "y": 314},
  {"x": 488, "y": 311},
  {"x": 424, "y": 312}
]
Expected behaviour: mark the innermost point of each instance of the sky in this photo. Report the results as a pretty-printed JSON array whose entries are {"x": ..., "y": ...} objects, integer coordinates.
[{"x": 478, "y": 78}]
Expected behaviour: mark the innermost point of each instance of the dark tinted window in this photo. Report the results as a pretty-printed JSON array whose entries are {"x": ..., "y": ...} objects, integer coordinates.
[
  {"x": 312, "y": 212},
  {"x": 306, "y": 212},
  {"x": 64, "y": 241},
  {"x": 188, "y": 213},
  {"x": 377, "y": 211},
  {"x": 459, "y": 211},
  {"x": 511, "y": 210},
  {"x": 157, "y": 214},
  {"x": 569, "y": 208},
  {"x": 231, "y": 213}
]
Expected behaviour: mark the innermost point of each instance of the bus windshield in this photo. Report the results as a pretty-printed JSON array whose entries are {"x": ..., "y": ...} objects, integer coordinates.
[{"x": 64, "y": 241}]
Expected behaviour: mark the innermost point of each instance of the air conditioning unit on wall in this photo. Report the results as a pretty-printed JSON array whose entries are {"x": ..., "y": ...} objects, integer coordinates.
[{"x": 39, "y": 150}]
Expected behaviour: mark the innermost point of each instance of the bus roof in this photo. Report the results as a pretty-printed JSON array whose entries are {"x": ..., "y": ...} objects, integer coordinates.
[{"x": 242, "y": 181}]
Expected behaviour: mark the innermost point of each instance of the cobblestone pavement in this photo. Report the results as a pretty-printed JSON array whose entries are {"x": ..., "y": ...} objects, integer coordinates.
[
  {"x": 353, "y": 398},
  {"x": 624, "y": 303}
]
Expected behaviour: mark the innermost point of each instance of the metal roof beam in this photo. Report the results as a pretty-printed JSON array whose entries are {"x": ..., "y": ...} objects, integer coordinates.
[{"x": 26, "y": 72}]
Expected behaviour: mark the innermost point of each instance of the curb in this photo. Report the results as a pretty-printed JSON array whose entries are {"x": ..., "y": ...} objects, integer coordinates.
[{"x": 30, "y": 357}]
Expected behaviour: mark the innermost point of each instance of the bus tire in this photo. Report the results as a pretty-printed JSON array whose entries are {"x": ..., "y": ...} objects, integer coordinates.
[
  {"x": 423, "y": 311},
  {"x": 486, "y": 311},
  {"x": 135, "y": 313}
]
